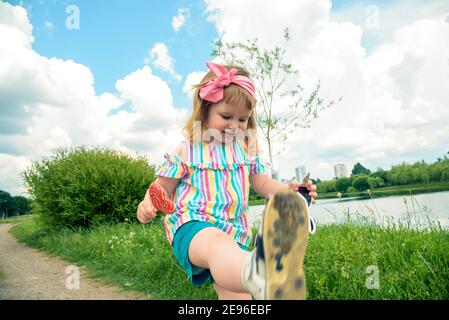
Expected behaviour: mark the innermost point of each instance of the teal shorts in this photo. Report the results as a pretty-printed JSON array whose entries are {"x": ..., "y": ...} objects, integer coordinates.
[{"x": 181, "y": 242}]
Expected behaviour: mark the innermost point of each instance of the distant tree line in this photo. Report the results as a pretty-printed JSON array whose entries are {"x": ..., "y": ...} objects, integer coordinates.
[
  {"x": 362, "y": 178},
  {"x": 13, "y": 206}
]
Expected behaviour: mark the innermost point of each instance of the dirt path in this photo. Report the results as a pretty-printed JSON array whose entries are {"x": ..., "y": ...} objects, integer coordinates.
[{"x": 29, "y": 274}]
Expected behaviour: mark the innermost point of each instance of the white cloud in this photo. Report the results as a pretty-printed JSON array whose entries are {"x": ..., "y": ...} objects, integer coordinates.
[
  {"x": 57, "y": 138},
  {"x": 11, "y": 168},
  {"x": 267, "y": 21},
  {"x": 395, "y": 95},
  {"x": 16, "y": 17},
  {"x": 379, "y": 22},
  {"x": 48, "y": 103},
  {"x": 28, "y": 79},
  {"x": 160, "y": 58},
  {"x": 192, "y": 79},
  {"x": 179, "y": 20},
  {"x": 151, "y": 98}
]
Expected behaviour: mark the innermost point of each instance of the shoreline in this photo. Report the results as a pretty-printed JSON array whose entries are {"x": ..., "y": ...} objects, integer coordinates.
[{"x": 376, "y": 193}]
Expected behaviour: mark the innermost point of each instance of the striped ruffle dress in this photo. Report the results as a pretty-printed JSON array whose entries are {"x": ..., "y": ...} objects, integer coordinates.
[{"x": 213, "y": 186}]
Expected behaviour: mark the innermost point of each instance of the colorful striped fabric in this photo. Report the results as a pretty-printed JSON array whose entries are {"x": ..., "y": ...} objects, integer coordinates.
[{"x": 214, "y": 186}]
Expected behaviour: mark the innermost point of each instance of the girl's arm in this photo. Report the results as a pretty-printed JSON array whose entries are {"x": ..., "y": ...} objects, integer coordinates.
[
  {"x": 146, "y": 209},
  {"x": 169, "y": 184},
  {"x": 265, "y": 185}
]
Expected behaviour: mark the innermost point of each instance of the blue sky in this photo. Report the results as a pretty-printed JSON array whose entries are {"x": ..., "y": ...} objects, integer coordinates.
[
  {"x": 340, "y": 4},
  {"x": 115, "y": 36}
]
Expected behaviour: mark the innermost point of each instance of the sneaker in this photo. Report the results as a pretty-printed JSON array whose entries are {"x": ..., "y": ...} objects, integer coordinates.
[
  {"x": 274, "y": 270},
  {"x": 304, "y": 193},
  {"x": 312, "y": 225},
  {"x": 302, "y": 190}
]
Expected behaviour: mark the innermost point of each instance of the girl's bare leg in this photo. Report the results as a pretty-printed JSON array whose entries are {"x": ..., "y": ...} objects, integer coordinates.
[
  {"x": 217, "y": 251},
  {"x": 225, "y": 294}
]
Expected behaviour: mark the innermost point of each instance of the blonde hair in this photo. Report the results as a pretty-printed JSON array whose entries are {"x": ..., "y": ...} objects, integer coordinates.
[{"x": 233, "y": 95}]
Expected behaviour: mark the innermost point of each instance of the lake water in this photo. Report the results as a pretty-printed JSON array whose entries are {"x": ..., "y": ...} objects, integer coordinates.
[{"x": 394, "y": 208}]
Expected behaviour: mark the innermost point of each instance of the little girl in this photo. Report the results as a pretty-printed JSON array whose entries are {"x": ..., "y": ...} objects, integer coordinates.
[{"x": 203, "y": 186}]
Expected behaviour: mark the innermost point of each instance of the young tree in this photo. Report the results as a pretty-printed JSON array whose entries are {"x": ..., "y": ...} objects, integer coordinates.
[{"x": 271, "y": 74}]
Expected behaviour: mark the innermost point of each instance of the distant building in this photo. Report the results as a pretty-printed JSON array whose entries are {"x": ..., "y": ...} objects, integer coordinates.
[
  {"x": 300, "y": 173},
  {"x": 340, "y": 171}
]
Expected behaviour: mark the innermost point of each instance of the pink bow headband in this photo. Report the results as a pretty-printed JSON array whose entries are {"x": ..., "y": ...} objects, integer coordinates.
[{"x": 213, "y": 90}]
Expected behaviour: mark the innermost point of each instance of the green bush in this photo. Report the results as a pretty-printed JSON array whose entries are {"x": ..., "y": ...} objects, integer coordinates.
[
  {"x": 85, "y": 187},
  {"x": 326, "y": 186},
  {"x": 342, "y": 184},
  {"x": 361, "y": 183},
  {"x": 376, "y": 182}
]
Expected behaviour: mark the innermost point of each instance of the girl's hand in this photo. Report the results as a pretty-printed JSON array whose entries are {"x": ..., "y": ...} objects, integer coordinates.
[
  {"x": 146, "y": 211},
  {"x": 294, "y": 185},
  {"x": 159, "y": 198}
]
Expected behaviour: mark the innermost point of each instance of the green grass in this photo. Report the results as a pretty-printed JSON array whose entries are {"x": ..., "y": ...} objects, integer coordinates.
[
  {"x": 15, "y": 219},
  {"x": 391, "y": 191},
  {"x": 256, "y": 202},
  {"x": 135, "y": 257},
  {"x": 411, "y": 264}
]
